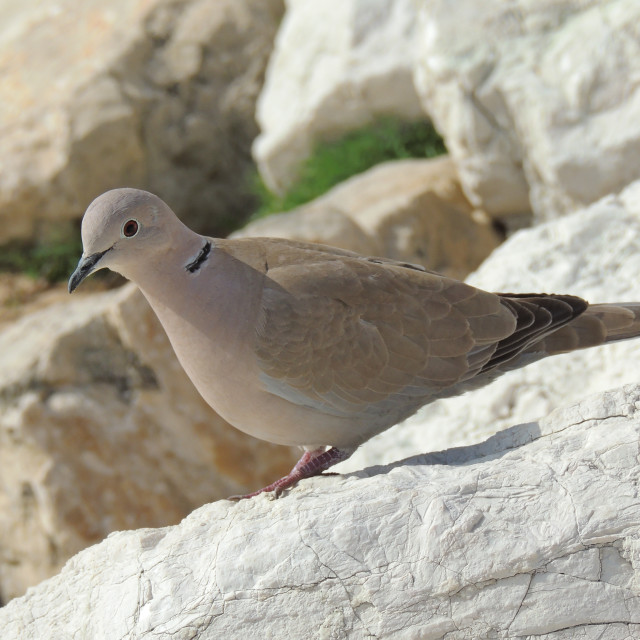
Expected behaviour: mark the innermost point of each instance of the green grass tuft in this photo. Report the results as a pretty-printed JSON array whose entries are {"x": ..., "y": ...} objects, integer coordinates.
[
  {"x": 334, "y": 162},
  {"x": 52, "y": 261}
]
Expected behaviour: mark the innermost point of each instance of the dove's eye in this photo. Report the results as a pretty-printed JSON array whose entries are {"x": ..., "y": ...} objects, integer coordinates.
[{"x": 130, "y": 228}]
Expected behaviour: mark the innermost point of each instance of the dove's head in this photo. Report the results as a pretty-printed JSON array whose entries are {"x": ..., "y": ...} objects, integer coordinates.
[{"x": 121, "y": 228}]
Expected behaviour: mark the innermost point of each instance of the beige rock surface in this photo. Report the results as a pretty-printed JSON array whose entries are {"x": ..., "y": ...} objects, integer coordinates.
[
  {"x": 538, "y": 102},
  {"x": 530, "y": 534},
  {"x": 101, "y": 430},
  {"x": 410, "y": 210},
  {"x": 156, "y": 94},
  {"x": 336, "y": 65},
  {"x": 314, "y": 223}
]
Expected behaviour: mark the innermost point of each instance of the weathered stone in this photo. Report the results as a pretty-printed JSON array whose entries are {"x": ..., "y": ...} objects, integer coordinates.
[
  {"x": 101, "y": 430},
  {"x": 311, "y": 223},
  {"x": 409, "y": 210},
  {"x": 538, "y": 102},
  {"x": 533, "y": 532},
  {"x": 159, "y": 95},
  {"x": 336, "y": 65}
]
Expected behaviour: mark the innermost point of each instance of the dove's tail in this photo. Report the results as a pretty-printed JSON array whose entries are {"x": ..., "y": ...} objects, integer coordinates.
[{"x": 598, "y": 324}]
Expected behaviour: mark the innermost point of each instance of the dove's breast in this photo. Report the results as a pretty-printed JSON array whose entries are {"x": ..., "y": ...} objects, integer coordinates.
[{"x": 223, "y": 367}]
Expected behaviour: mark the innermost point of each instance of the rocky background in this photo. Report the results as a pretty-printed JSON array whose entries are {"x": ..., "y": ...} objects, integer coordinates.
[{"x": 538, "y": 104}]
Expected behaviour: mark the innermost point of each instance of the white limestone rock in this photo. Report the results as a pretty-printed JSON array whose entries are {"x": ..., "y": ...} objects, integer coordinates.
[
  {"x": 533, "y": 532},
  {"x": 594, "y": 253},
  {"x": 538, "y": 102},
  {"x": 101, "y": 430},
  {"x": 336, "y": 65},
  {"x": 155, "y": 94}
]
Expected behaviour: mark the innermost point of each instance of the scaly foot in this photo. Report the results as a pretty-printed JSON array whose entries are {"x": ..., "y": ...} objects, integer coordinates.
[{"x": 312, "y": 463}]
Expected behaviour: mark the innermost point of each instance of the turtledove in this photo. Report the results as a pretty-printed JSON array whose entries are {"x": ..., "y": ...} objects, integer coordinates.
[{"x": 310, "y": 345}]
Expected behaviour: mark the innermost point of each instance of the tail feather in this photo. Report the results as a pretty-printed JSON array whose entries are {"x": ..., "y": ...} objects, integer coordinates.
[{"x": 599, "y": 324}]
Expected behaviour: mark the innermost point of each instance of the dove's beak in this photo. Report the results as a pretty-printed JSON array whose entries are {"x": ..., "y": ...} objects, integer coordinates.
[{"x": 86, "y": 266}]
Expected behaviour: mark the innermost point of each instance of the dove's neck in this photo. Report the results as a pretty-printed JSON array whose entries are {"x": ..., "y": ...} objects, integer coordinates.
[{"x": 200, "y": 293}]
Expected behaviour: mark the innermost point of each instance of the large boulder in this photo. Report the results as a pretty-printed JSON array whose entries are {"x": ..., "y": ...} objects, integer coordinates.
[
  {"x": 533, "y": 533},
  {"x": 537, "y": 106},
  {"x": 101, "y": 430},
  {"x": 337, "y": 65},
  {"x": 594, "y": 253},
  {"x": 159, "y": 95},
  {"x": 408, "y": 210},
  {"x": 538, "y": 103}
]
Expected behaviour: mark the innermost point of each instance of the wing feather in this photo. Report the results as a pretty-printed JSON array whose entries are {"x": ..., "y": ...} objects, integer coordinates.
[
  {"x": 352, "y": 332},
  {"x": 356, "y": 336}
]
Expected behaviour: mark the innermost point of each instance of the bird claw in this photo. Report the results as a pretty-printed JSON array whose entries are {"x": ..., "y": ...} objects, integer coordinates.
[{"x": 312, "y": 463}]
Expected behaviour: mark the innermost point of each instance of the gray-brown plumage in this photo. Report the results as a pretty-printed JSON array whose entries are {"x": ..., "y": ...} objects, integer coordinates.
[{"x": 314, "y": 346}]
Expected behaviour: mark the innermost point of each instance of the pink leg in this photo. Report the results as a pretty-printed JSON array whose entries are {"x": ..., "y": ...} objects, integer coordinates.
[{"x": 312, "y": 463}]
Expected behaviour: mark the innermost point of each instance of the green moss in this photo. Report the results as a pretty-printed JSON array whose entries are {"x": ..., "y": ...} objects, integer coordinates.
[
  {"x": 334, "y": 162},
  {"x": 53, "y": 261}
]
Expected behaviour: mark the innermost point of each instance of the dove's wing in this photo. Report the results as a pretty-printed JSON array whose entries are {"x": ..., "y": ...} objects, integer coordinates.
[
  {"x": 350, "y": 335},
  {"x": 371, "y": 339}
]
